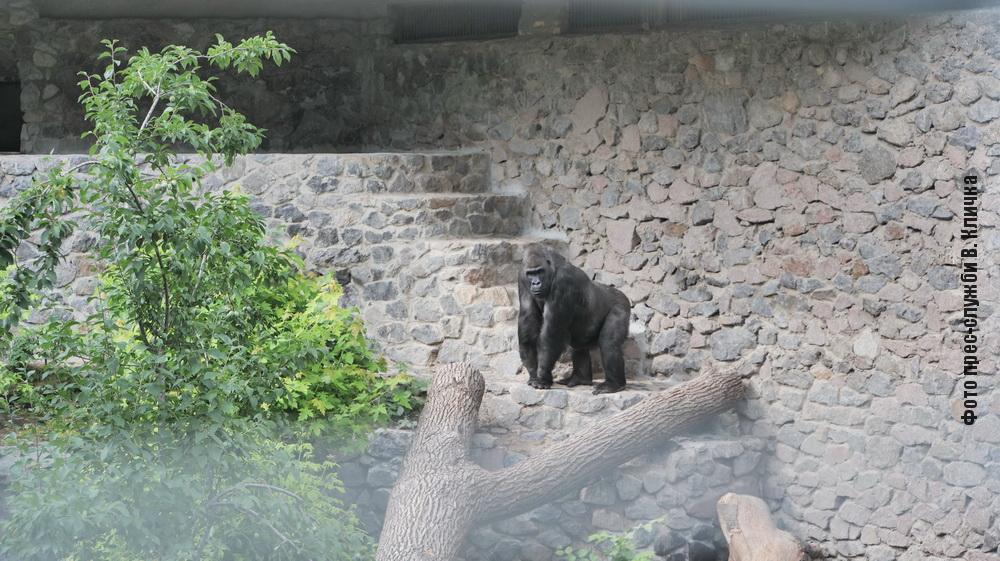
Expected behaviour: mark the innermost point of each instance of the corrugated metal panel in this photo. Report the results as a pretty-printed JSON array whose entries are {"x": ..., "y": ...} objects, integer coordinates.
[
  {"x": 600, "y": 15},
  {"x": 454, "y": 21},
  {"x": 679, "y": 12},
  {"x": 594, "y": 16}
]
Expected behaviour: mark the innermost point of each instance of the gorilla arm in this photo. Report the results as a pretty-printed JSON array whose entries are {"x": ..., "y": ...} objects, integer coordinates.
[
  {"x": 529, "y": 327},
  {"x": 552, "y": 342}
]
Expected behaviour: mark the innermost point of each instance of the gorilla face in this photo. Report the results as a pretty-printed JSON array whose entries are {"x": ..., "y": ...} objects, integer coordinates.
[{"x": 538, "y": 271}]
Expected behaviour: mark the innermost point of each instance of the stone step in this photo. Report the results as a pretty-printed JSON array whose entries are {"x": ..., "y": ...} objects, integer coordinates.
[
  {"x": 363, "y": 173},
  {"x": 514, "y": 412},
  {"x": 446, "y": 215},
  {"x": 349, "y": 222}
]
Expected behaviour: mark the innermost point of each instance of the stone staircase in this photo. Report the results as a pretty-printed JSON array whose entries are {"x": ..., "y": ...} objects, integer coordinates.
[{"x": 422, "y": 243}]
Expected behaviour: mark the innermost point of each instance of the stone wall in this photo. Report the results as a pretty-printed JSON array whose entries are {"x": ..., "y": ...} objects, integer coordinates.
[
  {"x": 790, "y": 189},
  {"x": 785, "y": 194}
]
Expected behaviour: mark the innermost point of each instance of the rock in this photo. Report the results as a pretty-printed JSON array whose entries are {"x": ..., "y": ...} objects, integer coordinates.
[
  {"x": 965, "y": 137},
  {"x": 427, "y": 334},
  {"x": 389, "y": 443},
  {"x": 381, "y": 475},
  {"x": 643, "y": 508},
  {"x": 630, "y": 141},
  {"x": 725, "y": 113},
  {"x": 729, "y": 344},
  {"x": 859, "y": 222},
  {"x": 943, "y": 278},
  {"x": 589, "y": 109},
  {"x": 702, "y": 213},
  {"x": 882, "y": 452},
  {"x": 763, "y": 114},
  {"x": 755, "y": 215},
  {"x": 674, "y": 341},
  {"x": 967, "y": 91},
  {"x": 380, "y": 290},
  {"x": 601, "y": 493},
  {"x": 621, "y": 235},
  {"x": 984, "y": 111},
  {"x": 770, "y": 197},
  {"x": 854, "y": 513},
  {"x": 903, "y": 90},
  {"x": 896, "y": 133},
  {"x": 523, "y": 147},
  {"x": 526, "y": 395},
  {"x": 608, "y": 520},
  {"x": 683, "y": 192},
  {"x": 351, "y": 474},
  {"x": 876, "y": 164},
  {"x": 667, "y": 541},
  {"x": 964, "y": 474},
  {"x": 866, "y": 344}
]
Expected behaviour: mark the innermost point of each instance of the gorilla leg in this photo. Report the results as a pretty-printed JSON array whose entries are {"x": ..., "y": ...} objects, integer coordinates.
[
  {"x": 612, "y": 343},
  {"x": 529, "y": 358},
  {"x": 582, "y": 371}
]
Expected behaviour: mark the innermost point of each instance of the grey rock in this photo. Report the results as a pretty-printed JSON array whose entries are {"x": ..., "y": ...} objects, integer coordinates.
[
  {"x": 725, "y": 112},
  {"x": 643, "y": 508},
  {"x": 389, "y": 443},
  {"x": 601, "y": 493},
  {"x": 984, "y": 111},
  {"x": 629, "y": 487},
  {"x": 965, "y": 137},
  {"x": 876, "y": 164},
  {"x": 729, "y": 344},
  {"x": 381, "y": 475},
  {"x": 943, "y": 278}
]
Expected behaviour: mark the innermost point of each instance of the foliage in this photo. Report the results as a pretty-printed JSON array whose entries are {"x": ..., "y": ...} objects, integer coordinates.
[
  {"x": 167, "y": 402},
  {"x": 609, "y": 547},
  {"x": 334, "y": 382},
  {"x": 240, "y": 497}
]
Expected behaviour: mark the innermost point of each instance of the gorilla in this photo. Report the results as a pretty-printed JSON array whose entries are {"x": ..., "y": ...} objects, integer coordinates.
[{"x": 560, "y": 306}]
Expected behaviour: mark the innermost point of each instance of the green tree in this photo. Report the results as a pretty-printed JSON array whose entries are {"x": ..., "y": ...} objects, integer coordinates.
[{"x": 164, "y": 406}]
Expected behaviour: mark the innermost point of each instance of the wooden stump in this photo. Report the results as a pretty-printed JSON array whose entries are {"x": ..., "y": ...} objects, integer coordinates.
[{"x": 751, "y": 534}]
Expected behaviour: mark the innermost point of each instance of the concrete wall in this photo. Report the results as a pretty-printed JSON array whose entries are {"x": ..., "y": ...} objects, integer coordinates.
[{"x": 783, "y": 194}]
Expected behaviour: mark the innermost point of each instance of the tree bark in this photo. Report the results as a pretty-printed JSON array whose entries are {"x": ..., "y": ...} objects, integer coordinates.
[
  {"x": 751, "y": 534},
  {"x": 441, "y": 494}
]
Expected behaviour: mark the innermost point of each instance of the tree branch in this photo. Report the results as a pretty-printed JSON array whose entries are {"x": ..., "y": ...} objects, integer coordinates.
[
  {"x": 585, "y": 456},
  {"x": 440, "y": 494}
]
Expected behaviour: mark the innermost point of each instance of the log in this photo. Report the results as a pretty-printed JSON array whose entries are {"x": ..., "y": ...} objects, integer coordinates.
[
  {"x": 752, "y": 536},
  {"x": 441, "y": 494}
]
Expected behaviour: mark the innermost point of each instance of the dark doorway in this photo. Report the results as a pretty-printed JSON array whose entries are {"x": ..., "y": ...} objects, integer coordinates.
[{"x": 11, "y": 118}]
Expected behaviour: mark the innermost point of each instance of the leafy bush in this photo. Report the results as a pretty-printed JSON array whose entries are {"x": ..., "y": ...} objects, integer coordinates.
[
  {"x": 334, "y": 382},
  {"x": 608, "y": 547},
  {"x": 166, "y": 406},
  {"x": 211, "y": 497}
]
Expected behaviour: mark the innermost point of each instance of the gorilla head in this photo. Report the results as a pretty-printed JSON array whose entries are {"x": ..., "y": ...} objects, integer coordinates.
[{"x": 539, "y": 269}]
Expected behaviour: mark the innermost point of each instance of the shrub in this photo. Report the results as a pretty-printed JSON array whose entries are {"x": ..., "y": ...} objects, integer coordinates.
[
  {"x": 606, "y": 546},
  {"x": 166, "y": 405}
]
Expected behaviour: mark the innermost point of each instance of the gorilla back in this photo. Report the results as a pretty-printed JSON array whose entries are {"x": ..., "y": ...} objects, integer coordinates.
[{"x": 560, "y": 306}]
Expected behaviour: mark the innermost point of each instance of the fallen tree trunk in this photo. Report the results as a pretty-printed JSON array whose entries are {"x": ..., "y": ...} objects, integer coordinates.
[
  {"x": 751, "y": 534},
  {"x": 440, "y": 494}
]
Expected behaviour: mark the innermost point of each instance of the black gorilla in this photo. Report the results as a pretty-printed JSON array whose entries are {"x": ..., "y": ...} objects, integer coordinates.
[{"x": 561, "y": 306}]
